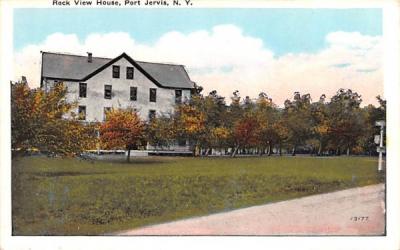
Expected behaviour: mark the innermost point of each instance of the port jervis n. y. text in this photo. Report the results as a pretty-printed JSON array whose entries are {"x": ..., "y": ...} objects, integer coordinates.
[{"x": 122, "y": 2}]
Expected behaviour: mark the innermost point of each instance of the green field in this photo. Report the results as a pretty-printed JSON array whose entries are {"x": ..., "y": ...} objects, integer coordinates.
[{"x": 54, "y": 196}]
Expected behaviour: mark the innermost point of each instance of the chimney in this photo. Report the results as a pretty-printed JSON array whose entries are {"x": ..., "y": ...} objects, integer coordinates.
[
  {"x": 89, "y": 59},
  {"x": 23, "y": 80}
]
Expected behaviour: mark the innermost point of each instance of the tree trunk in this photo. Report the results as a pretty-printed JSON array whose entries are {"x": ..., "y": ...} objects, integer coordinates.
[
  {"x": 235, "y": 151},
  {"x": 269, "y": 149},
  {"x": 280, "y": 149},
  {"x": 196, "y": 149},
  {"x": 208, "y": 151},
  {"x": 320, "y": 148},
  {"x": 262, "y": 149},
  {"x": 294, "y": 151},
  {"x": 128, "y": 156},
  {"x": 348, "y": 151},
  {"x": 338, "y": 151}
]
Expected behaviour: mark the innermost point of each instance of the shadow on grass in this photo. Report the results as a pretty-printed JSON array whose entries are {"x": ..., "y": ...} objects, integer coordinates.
[
  {"x": 133, "y": 161},
  {"x": 65, "y": 173}
]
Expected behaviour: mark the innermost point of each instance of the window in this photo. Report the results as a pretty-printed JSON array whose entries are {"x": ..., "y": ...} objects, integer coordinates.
[
  {"x": 133, "y": 93},
  {"x": 181, "y": 142},
  {"x": 107, "y": 91},
  {"x": 178, "y": 96},
  {"x": 106, "y": 110},
  {"x": 129, "y": 72},
  {"x": 82, "y": 89},
  {"x": 153, "y": 95},
  {"x": 57, "y": 83},
  {"x": 82, "y": 112},
  {"x": 115, "y": 71},
  {"x": 152, "y": 114}
]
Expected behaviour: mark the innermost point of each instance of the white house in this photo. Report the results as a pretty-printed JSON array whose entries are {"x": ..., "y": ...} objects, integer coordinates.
[{"x": 98, "y": 84}]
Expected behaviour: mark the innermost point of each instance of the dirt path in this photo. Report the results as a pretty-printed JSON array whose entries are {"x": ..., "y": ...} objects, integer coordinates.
[{"x": 357, "y": 211}]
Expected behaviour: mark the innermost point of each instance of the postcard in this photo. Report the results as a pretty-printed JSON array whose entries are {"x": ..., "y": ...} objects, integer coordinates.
[{"x": 169, "y": 123}]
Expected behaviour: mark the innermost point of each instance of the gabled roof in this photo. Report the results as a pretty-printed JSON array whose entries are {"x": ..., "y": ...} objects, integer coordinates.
[{"x": 77, "y": 68}]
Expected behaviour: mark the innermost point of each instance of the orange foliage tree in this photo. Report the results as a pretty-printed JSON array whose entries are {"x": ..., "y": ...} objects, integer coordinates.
[
  {"x": 122, "y": 129},
  {"x": 245, "y": 133},
  {"x": 37, "y": 122},
  {"x": 191, "y": 124}
]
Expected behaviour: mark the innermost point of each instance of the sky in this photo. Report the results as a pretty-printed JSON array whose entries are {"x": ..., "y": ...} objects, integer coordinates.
[{"x": 277, "y": 51}]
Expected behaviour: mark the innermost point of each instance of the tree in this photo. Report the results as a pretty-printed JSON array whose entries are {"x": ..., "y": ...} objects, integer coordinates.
[
  {"x": 161, "y": 131},
  {"x": 190, "y": 122},
  {"x": 266, "y": 115},
  {"x": 320, "y": 123},
  {"x": 244, "y": 133},
  {"x": 281, "y": 131},
  {"x": 37, "y": 122},
  {"x": 220, "y": 137},
  {"x": 235, "y": 110},
  {"x": 297, "y": 116},
  {"x": 214, "y": 108},
  {"x": 371, "y": 115},
  {"x": 346, "y": 119},
  {"x": 121, "y": 129}
]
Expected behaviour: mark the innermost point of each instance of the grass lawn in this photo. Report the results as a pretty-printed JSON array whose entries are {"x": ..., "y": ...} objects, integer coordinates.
[{"x": 78, "y": 197}]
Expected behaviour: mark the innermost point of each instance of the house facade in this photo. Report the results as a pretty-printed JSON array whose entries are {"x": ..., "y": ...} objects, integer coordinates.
[{"x": 99, "y": 84}]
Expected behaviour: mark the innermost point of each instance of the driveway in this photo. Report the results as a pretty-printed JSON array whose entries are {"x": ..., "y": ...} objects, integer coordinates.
[{"x": 357, "y": 211}]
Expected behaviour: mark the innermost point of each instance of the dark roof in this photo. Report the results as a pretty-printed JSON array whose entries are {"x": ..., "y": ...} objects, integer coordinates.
[{"x": 77, "y": 68}]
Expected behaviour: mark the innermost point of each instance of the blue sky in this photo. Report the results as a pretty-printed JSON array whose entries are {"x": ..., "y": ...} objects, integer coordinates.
[
  {"x": 282, "y": 30},
  {"x": 277, "y": 51}
]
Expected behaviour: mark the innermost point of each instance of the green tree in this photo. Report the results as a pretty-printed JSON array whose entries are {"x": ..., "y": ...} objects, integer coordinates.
[
  {"x": 161, "y": 131},
  {"x": 320, "y": 123},
  {"x": 214, "y": 108},
  {"x": 234, "y": 113},
  {"x": 346, "y": 120},
  {"x": 371, "y": 115},
  {"x": 297, "y": 115},
  {"x": 281, "y": 131}
]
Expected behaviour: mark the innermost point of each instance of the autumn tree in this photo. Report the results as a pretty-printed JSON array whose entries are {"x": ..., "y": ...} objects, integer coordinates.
[
  {"x": 38, "y": 122},
  {"x": 244, "y": 133},
  {"x": 281, "y": 131},
  {"x": 220, "y": 137},
  {"x": 190, "y": 122},
  {"x": 122, "y": 129},
  {"x": 266, "y": 114}
]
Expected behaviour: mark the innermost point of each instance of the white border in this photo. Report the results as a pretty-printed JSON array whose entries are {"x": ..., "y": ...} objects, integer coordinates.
[{"x": 392, "y": 93}]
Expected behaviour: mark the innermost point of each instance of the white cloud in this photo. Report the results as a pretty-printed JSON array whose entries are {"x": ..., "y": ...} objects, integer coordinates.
[{"x": 226, "y": 60}]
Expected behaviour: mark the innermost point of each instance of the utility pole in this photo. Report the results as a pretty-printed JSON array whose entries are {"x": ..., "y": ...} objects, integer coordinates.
[{"x": 381, "y": 149}]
